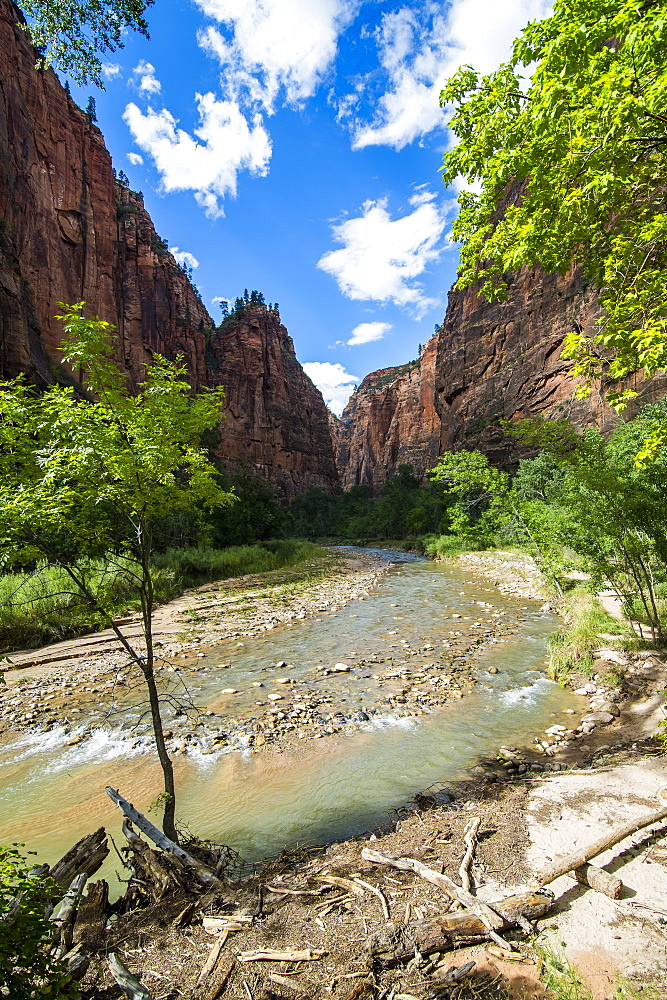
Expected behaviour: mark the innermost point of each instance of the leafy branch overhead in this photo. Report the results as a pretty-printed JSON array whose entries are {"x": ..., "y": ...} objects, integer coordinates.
[
  {"x": 71, "y": 34},
  {"x": 568, "y": 166}
]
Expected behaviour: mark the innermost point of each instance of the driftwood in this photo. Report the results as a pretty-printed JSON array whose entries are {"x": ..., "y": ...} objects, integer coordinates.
[
  {"x": 161, "y": 872},
  {"x": 470, "y": 839},
  {"x": 290, "y": 984},
  {"x": 598, "y": 879},
  {"x": 203, "y": 874},
  {"x": 92, "y": 915},
  {"x": 218, "y": 987},
  {"x": 398, "y": 943},
  {"x": 341, "y": 883},
  {"x": 127, "y": 982},
  {"x": 574, "y": 860},
  {"x": 213, "y": 956},
  {"x": 380, "y": 895},
  {"x": 86, "y": 857},
  {"x": 489, "y": 917},
  {"x": 64, "y": 922},
  {"x": 77, "y": 961},
  {"x": 289, "y": 955}
]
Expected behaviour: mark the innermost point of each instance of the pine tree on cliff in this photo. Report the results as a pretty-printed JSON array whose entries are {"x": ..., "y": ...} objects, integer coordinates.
[{"x": 91, "y": 110}]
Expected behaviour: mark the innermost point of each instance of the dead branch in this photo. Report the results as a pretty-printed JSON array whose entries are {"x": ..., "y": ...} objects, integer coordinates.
[
  {"x": 127, "y": 982},
  {"x": 200, "y": 871},
  {"x": 289, "y": 955},
  {"x": 470, "y": 840},
  {"x": 392, "y": 944},
  {"x": 213, "y": 956},
  {"x": 574, "y": 860}
]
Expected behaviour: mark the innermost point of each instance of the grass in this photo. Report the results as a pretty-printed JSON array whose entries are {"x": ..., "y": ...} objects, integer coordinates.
[
  {"x": 572, "y": 648},
  {"x": 564, "y": 983},
  {"x": 44, "y": 606},
  {"x": 443, "y": 547}
]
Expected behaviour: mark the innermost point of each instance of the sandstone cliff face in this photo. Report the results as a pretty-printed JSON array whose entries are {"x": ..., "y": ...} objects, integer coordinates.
[
  {"x": 276, "y": 419},
  {"x": 390, "y": 420},
  {"x": 503, "y": 360},
  {"x": 69, "y": 232}
]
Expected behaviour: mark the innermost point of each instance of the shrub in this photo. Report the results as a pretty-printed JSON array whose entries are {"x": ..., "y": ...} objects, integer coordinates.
[{"x": 26, "y": 968}]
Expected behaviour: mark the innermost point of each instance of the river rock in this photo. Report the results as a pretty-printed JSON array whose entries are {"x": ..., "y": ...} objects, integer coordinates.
[
  {"x": 341, "y": 668},
  {"x": 602, "y": 718},
  {"x": 275, "y": 697}
]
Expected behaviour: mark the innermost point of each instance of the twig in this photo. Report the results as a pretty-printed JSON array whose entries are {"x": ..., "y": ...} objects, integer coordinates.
[{"x": 470, "y": 839}]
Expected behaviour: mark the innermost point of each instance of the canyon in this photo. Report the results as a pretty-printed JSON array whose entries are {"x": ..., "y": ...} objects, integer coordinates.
[{"x": 71, "y": 232}]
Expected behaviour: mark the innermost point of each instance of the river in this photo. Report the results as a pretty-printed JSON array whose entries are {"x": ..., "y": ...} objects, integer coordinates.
[{"x": 315, "y": 789}]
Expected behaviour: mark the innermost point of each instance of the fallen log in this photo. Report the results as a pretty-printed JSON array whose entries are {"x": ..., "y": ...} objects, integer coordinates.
[
  {"x": 392, "y": 944},
  {"x": 64, "y": 922},
  {"x": 203, "y": 874},
  {"x": 161, "y": 872},
  {"x": 598, "y": 879},
  {"x": 575, "y": 859},
  {"x": 127, "y": 982},
  {"x": 86, "y": 857}
]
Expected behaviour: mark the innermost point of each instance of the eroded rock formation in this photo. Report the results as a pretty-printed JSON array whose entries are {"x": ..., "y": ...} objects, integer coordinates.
[
  {"x": 276, "y": 419},
  {"x": 389, "y": 421},
  {"x": 69, "y": 232},
  {"x": 504, "y": 360}
]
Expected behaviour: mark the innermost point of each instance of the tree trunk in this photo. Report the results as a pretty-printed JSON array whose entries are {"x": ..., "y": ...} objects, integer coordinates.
[{"x": 168, "y": 820}]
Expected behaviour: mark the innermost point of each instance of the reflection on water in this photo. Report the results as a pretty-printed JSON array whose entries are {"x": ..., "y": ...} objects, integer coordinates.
[{"x": 52, "y": 792}]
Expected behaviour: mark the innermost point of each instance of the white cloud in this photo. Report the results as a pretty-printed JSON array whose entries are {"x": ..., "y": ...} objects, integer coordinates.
[
  {"x": 110, "y": 70},
  {"x": 335, "y": 384},
  {"x": 367, "y": 332},
  {"x": 184, "y": 257},
  {"x": 381, "y": 257},
  {"x": 419, "y": 48},
  {"x": 266, "y": 45},
  {"x": 135, "y": 159},
  {"x": 209, "y": 164},
  {"x": 145, "y": 80}
]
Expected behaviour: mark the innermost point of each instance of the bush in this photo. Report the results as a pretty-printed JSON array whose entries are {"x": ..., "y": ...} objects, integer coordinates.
[
  {"x": 43, "y": 606},
  {"x": 26, "y": 968}
]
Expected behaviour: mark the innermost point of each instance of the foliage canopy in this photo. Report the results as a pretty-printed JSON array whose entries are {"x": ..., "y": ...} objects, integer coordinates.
[
  {"x": 570, "y": 168},
  {"x": 71, "y": 33}
]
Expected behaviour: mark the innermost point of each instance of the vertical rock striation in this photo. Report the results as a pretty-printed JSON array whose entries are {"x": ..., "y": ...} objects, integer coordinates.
[
  {"x": 504, "y": 361},
  {"x": 276, "y": 420},
  {"x": 69, "y": 232},
  {"x": 389, "y": 421}
]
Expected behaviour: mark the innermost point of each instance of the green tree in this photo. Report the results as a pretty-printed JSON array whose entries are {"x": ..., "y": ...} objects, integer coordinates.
[
  {"x": 616, "y": 510},
  {"x": 92, "y": 477},
  {"x": 70, "y": 34},
  {"x": 498, "y": 506},
  {"x": 570, "y": 167},
  {"x": 26, "y": 967},
  {"x": 255, "y": 516},
  {"x": 91, "y": 110}
]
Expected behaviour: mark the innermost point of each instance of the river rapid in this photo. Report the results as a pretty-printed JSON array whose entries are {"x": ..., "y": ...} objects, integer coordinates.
[{"x": 435, "y": 669}]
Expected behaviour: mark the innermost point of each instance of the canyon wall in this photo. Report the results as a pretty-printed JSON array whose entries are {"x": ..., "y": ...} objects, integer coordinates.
[
  {"x": 69, "y": 232},
  {"x": 389, "y": 421},
  {"x": 504, "y": 361},
  {"x": 276, "y": 419}
]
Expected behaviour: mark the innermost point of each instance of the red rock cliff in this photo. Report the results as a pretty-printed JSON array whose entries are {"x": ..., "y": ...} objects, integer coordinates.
[
  {"x": 503, "y": 360},
  {"x": 69, "y": 232},
  {"x": 389, "y": 421},
  {"x": 276, "y": 419}
]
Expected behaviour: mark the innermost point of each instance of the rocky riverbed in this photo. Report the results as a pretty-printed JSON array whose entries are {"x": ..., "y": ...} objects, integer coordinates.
[{"x": 79, "y": 686}]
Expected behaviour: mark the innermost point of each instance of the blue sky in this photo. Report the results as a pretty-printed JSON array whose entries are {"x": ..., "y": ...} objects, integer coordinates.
[{"x": 293, "y": 146}]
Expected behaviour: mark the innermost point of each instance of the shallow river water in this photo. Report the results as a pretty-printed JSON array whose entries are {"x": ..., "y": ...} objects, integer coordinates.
[{"x": 316, "y": 790}]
